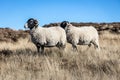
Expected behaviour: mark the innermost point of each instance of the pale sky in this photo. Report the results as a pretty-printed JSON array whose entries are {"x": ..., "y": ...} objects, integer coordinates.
[{"x": 14, "y": 13}]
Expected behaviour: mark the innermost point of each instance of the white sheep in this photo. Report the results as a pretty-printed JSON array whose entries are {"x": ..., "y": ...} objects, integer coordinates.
[
  {"x": 46, "y": 37},
  {"x": 86, "y": 35}
]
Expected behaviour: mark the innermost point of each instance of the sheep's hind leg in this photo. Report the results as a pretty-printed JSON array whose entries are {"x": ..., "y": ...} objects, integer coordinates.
[
  {"x": 89, "y": 45},
  {"x": 74, "y": 48},
  {"x": 96, "y": 45},
  {"x": 62, "y": 47}
]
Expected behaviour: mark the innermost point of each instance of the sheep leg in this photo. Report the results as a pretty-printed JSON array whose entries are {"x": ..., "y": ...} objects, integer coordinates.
[
  {"x": 63, "y": 47},
  {"x": 89, "y": 45},
  {"x": 38, "y": 49},
  {"x": 42, "y": 49},
  {"x": 74, "y": 48},
  {"x": 96, "y": 45}
]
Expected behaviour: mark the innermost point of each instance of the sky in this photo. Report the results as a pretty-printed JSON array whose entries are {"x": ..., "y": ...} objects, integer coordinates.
[{"x": 15, "y": 13}]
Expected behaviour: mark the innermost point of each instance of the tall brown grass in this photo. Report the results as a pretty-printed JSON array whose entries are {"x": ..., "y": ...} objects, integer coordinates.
[{"x": 20, "y": 61}]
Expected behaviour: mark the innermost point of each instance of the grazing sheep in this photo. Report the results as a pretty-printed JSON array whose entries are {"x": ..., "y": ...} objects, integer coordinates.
[
  {"x": 86, "y": 35},
  {"x": 46, "y": 37}
]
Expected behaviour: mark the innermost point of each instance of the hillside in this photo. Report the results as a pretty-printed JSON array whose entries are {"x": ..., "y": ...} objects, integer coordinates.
[
  {"x": 9, "y": 35},
  {"x": 113, "y": 27},
  {"x": 19, "y": 59}
]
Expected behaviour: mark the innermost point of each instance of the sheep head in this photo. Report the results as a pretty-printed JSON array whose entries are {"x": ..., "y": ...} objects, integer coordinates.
[
  {"x": 64, "y": 24},
  {"x": 31, "y": 23}
]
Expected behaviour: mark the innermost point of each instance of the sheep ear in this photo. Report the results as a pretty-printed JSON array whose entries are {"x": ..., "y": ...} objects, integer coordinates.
[{"x": 35, "y": 21}]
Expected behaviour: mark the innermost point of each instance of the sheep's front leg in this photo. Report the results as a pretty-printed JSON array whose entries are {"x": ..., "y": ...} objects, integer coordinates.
[{"x": 40, "y": 48}]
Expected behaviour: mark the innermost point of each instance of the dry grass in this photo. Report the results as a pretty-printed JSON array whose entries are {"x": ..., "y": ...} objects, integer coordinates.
[
  {"x": 21, "y": 44},
  {"x": 20, "y": 61}
]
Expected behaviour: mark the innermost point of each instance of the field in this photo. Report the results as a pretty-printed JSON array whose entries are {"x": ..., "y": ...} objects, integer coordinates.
[{"x": 20, "y": 61}]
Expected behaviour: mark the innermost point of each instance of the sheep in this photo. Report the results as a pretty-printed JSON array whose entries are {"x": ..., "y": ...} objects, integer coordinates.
[
  {"x": 46, "y": 37},
  {"x": 86, "y": 35}
]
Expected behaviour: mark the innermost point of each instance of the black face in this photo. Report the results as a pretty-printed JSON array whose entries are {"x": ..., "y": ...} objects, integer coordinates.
[
  {"x": 64, "y": 24},
  {"x": 31, "y": 23}
]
